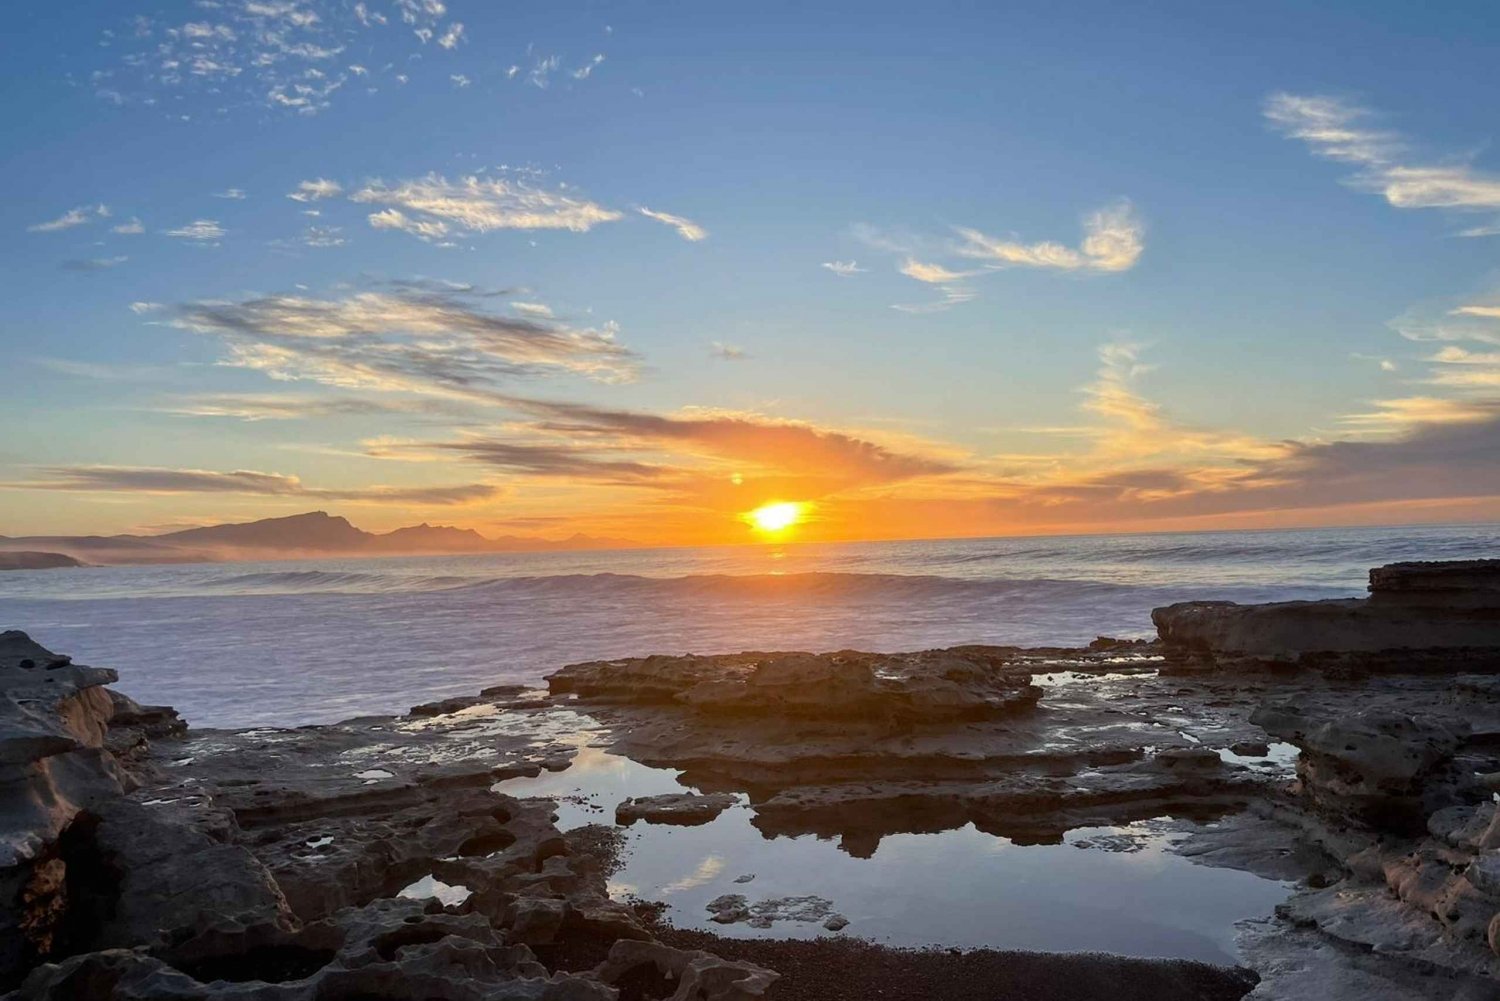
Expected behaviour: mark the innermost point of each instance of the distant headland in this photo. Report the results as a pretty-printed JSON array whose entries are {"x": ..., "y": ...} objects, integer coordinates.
[{"x": 316, "y": 533}]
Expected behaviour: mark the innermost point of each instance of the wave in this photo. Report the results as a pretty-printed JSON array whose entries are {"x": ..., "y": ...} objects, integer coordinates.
[
  {"x": 299, "y": 581},
  {"x": 809, "y": 588}
]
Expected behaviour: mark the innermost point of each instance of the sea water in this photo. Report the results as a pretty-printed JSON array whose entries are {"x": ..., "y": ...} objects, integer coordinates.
[{"x": 317, "y": 640}]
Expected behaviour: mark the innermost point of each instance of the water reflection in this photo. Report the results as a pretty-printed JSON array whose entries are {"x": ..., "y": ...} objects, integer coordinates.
[{"x": 1109, "y": 889}]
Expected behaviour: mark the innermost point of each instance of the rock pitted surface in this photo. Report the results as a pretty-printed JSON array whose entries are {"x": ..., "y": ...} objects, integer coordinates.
[
  {"x": 682, "y": 809},
  {"x": 1380, "y": 767},
  {"x": 935, "y": 686},
  {"x": 146, "y": 861},
  {"x": 1418, "y": 615}
]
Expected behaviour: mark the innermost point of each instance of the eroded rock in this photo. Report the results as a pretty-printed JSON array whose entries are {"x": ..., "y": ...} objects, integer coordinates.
[
  {"x": 681, "y": 809},
  {"x": 933, "y": 686},
  {"x": 1419, "y": 616},
  {"x": 1384, "y": 768}
]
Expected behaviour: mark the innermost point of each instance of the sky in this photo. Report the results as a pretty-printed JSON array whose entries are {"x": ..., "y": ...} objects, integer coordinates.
[{"x": 635, "y": 270}]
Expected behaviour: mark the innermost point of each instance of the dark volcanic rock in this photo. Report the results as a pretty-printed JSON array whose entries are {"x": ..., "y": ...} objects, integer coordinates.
[
  {"x": 55, "y": 771},
  {"x": 934, "y": 686},
  {"x": 682, "y": 809},
  {"x": 1383, "y": 768},
  {"x": 268, "y": 864},
  {"x": 1436, "y": 616},
  {"x": 20, "y": 559}
]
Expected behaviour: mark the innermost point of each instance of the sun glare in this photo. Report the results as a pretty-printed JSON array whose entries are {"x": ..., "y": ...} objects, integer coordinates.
[{"x": 776, "y": 517}]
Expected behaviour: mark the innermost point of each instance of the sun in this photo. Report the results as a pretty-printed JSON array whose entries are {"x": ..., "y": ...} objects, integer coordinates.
[{"x": 775, "y": 517}]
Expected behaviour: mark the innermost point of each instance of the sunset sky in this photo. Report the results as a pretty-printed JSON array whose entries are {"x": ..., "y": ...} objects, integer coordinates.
[{"x": 634, "y": 270}]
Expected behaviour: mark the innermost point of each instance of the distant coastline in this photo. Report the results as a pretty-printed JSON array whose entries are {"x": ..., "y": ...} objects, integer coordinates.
[
  {"x": 30, "y": 559},
  {"x": 314, "y": 534}
]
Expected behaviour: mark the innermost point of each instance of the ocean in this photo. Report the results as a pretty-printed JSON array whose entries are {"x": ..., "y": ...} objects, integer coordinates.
[{"x": 318, "y": 640}]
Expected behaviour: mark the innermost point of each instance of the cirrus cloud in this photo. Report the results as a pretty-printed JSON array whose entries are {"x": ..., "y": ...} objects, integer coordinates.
[{"x": 433, "y": 207}]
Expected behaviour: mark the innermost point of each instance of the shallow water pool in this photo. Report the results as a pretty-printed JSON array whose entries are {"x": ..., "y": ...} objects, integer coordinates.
[{"x": 1118, "y": 889}]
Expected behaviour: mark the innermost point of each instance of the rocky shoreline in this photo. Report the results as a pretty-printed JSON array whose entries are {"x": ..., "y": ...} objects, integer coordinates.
[{"x": 373, "y": 858}]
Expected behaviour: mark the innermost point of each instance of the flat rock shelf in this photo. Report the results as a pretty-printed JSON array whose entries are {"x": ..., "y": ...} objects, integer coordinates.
[{"x": 1276, "y": 801}]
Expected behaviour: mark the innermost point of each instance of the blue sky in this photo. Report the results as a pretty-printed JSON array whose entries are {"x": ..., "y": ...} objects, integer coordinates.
[{"x": 1279, "y": 321}]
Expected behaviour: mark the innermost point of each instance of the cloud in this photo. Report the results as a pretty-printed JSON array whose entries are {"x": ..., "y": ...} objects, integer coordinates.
[
  {"x": 1337, "y": 129},
  {"x": 281, "y": 407},
  {"x": 316, "y": 189},
  {"x": 233, "y": 194},
  {"x": 533, "y": 309},
  {"x": 323, "y": 236},
  {"x": 1398, "y": 416},
  {"x": 80, "y": 216},
  {"x": 712, "y": 463},
  {"x": 420, "y": 338},
  {"x": 541, "y": 70},
  {"x": 167, "y": 480},
  {"x": 548, "y": 460},
  {"x": 934, "y": 274},
  {"x": 1112, "y": 241},
  {"x": 739, "y": 437},
  {"x": 94, "y": 264},
  {"x": 686, "y": 228},
  {"x": 433, "y": 207},
  {"x": 844, "y": 269},
  {"x": 1137, "y": 430},
  {"x": 459, "y": 80},
  {"x": 728, "y": 352},
  {"x": 133, "y": 227},
  {"x": 199, "y": 231},
  {"x": 952, "y": 295},
  {"x": 587, "y": 69},
  {"x": 281, "y": 54}
]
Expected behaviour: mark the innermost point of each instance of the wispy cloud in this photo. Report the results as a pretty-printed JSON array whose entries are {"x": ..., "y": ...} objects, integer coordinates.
[
  {"x": 686, "y": 228},
  {"x": 281, "y": 54},
  {"x": 708, "y": 458},
  {"x": 728, "y": 352},
  {"x": 434, "y": 207},
  {"x": 459, "y": 80},
  {"x": 1339, "y": 129},
  {"x": 844, "y": 269},
  {"x": 951, "y": 295},
  {"x": 199, "y": 231},
  {"x": 587, "y": 69},
  {"x": 934, "y": 274},
  {"x": 1113, "y": 240},
  {"x": 285, "y": 407},
  {"x": 232, "y": 194},
  {"x": 131, "y": 227},
  {"x": 418, "y": 338},
  {"x": 323, "y": 236},
  {"x": 93, "y": 263},
  {"x": 315, "y": 190},
  {"x": 80, "y": 216},
  {"x": 167, "y": 480}
]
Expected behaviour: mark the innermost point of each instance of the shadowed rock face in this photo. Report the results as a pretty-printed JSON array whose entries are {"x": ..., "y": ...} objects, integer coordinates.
[
  {"x": 27, "y": 560},
  {"x": 1418, "y": 615},
  {"x": 143, "y": 861},
  {"x": 1383, "y": 768}
]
